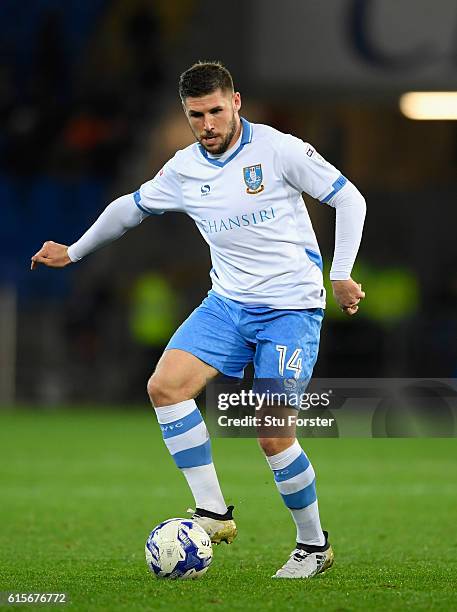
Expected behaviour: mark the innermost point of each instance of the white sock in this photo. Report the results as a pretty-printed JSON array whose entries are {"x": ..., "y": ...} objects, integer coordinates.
[
  {"x": 187, "y": 439},
  {"x": 308, "y": 524},
  {"x": 295, "y": 479},
  {"x": 205, "y": 488}
]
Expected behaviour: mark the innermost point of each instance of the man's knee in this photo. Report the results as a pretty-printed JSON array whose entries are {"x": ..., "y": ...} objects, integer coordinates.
[
  {"x": 160, "y": 391},
  {"x": 273, "y": 446},
  {"x": 164, "y": 390},
  {"x": 154, "y": 388},
  {"x": 179, "y": 376}
]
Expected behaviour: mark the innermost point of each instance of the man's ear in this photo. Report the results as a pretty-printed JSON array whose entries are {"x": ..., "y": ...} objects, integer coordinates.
[{"x": 236, "y": 100}]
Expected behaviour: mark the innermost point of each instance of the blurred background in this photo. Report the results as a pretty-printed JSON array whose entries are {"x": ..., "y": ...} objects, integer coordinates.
[{"x": 89, "y": 110}]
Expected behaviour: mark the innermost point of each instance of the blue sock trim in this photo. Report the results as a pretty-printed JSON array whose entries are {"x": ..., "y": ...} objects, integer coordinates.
[
  {"x": 193, "y": 457},
  {"x": 296, "y": 467},
  {"x": 180, "y": 426},
  {"x": 301, "y": 499}
]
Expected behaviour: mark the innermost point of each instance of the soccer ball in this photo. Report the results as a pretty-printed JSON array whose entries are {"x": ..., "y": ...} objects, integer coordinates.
[{"x": 178, "y": 548}]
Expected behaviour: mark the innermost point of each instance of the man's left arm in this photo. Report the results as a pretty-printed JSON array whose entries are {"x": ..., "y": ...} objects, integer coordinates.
[
  {"x": 350, "y": 210},
  {"x": 309, "y": 172}
]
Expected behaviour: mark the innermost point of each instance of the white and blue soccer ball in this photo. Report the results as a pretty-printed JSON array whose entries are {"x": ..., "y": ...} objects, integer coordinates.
[{"x": 178, "y": 548}]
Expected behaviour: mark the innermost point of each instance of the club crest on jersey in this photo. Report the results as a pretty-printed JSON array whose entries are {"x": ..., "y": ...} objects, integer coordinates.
[{"x": 253, "y": 178}]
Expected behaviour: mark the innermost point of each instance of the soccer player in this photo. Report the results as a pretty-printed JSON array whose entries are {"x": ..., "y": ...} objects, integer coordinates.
[{"x": 242, "y": 184}]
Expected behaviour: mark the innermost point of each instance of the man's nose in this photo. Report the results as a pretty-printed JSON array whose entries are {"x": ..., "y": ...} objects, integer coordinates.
[{"x": 209, "y": 123}]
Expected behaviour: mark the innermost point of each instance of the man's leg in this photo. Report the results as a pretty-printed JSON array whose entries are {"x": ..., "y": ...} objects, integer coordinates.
[
  {"x": 287, "y": 346},
  {"x": 295, "y": 479},
  {"x": 178, "y": 378}
]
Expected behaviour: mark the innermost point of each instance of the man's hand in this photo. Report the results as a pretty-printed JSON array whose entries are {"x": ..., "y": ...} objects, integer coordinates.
[
  {"x": 51, "y": 254},
  {"x": 348, "y": 294}
]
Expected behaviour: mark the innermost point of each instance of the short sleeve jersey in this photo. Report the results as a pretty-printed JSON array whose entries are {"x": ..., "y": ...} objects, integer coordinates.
[{"x": 249, "y": 209}]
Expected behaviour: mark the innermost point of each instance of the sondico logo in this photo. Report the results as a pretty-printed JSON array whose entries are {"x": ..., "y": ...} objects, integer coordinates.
[
  {"x": 171, "y": 427},
  {"x": 205, "y": 189},
  {"x": 282, "y": 473}
]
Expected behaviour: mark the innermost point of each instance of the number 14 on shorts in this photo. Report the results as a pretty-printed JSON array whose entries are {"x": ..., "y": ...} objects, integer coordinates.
[{"x": 294, "y": 363}]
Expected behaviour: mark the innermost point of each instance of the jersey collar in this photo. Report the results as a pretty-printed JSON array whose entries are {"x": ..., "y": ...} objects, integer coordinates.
[{"x": 246, "y": 138}]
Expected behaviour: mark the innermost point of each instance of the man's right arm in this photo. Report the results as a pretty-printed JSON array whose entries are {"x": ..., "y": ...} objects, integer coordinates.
[
  {"x": 120, "y": 216},
  {"x": 156, "y": 196}
]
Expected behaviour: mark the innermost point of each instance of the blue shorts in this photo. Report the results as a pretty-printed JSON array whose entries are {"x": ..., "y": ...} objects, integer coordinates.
[{"x": 282, "y": 344}]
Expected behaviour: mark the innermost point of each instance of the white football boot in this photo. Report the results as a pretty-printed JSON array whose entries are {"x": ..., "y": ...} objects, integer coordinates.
[
  {"x": 307, "y": 561},
  {"x": 219, "y": 527}
]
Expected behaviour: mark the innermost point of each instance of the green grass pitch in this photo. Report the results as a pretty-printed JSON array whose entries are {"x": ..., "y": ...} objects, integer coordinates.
[{"x": 80, "y": 491}]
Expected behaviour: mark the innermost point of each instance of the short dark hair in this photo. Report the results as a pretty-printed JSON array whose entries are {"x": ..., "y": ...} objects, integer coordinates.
[{"x": 204, "y": 78}]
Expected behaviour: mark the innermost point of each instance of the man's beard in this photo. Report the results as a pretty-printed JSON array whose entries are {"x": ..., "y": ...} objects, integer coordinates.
[{"x": 222, "y": 148}]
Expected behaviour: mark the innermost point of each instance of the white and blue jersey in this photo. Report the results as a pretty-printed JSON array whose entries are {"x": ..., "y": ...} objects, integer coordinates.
[
  {"x": 267, "y": 297},
  {"x": 248, "y": 206}
]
